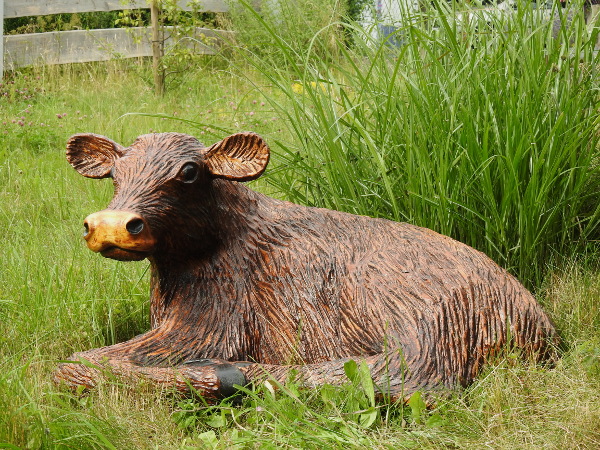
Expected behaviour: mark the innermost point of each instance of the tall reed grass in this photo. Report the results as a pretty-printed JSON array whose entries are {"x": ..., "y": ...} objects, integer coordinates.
[{"x": 479, "y": 125}]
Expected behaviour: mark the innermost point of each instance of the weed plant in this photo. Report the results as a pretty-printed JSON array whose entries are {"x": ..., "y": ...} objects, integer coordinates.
[{"x": 482, "y": 127}]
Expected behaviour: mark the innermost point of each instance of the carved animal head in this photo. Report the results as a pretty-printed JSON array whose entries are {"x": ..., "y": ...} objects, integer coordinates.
[{"x": 163, "y": 197}]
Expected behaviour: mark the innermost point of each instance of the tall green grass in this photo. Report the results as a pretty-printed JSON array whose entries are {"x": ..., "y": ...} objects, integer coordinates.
[{"x": 482, "y": 129}]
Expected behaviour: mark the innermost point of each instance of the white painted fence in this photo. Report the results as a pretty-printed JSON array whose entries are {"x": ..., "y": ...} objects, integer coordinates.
[{"x": 87, "y": 45}]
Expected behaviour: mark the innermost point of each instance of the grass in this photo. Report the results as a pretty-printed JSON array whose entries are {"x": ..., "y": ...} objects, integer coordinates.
[{"x": 369, "y": 138}]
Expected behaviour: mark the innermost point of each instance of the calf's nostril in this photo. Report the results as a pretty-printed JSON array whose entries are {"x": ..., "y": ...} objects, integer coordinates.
[
  {"x": 135, "y": 226},
  {"x": 86, "y": 229}
]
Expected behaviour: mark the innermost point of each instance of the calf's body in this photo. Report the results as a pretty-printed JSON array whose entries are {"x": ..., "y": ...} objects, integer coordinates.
[{"x": 245, "y": 286}]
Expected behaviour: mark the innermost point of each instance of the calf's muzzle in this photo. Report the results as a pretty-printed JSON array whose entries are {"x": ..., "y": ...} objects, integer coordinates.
[{"x": 121, "y": 235}]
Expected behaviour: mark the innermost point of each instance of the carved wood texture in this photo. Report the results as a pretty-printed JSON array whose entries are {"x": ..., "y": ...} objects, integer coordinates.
[{"x": 245, "y": 286}]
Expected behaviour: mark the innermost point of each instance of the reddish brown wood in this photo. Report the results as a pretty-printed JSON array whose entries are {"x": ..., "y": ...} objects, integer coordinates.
[{"x": 244, "y": 285}]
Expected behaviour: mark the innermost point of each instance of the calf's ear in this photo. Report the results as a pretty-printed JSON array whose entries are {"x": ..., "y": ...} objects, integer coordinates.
[
  {"x": 239, "y": 157},
  {"x": 92, "y": 155}
]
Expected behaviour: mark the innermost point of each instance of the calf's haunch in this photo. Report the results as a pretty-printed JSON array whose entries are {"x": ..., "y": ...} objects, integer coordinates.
[{"x": 243, "y": 285}]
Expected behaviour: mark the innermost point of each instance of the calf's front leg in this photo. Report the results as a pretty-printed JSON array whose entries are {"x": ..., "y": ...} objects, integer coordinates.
[{"x": 213, "y": 379}]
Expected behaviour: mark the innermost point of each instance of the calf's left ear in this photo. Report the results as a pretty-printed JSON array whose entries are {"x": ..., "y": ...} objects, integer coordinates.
[
  {"x": 92, "y": 155},
  {"x": 239, "y": 157}
]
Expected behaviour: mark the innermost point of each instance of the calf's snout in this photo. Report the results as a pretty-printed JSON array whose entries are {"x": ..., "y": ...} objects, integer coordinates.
[{"x": 118, "y": 234}]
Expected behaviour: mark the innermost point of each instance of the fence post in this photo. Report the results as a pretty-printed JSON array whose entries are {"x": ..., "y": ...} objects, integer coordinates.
[
  {"x": 1, "y": 39},
  {"x": 157, "y": 49}
]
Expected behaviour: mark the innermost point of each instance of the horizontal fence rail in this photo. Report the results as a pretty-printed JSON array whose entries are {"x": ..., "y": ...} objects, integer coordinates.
[
  {"x": 63, "y": 47},
  {"x": 21, "y": 8}
]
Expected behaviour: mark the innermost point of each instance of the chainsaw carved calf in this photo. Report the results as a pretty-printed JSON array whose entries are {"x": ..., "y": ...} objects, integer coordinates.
[{"x": 243, "y": 285}]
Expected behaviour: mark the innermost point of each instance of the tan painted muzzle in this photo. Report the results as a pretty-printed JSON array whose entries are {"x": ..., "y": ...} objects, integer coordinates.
[{"x": 119, "y": 235}]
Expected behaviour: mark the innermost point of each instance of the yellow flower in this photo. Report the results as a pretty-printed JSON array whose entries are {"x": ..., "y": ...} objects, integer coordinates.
[{"x": 297, "y": 88}]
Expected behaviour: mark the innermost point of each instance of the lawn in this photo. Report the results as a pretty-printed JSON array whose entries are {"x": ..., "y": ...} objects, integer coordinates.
[{"x": 494, "y": 142}]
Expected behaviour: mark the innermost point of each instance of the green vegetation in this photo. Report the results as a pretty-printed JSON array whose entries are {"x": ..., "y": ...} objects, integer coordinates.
[{"x": 485, "y": 133}]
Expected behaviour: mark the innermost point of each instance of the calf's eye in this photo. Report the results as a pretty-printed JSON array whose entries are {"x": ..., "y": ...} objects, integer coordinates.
[{"x": 189, "y": 172}]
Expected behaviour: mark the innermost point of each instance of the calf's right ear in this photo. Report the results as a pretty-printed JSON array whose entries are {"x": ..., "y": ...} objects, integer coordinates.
[{"x": 92, "y": 155}]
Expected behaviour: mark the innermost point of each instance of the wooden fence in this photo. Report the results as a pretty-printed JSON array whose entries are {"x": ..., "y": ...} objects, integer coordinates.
[{"x": 88, "y": 45}]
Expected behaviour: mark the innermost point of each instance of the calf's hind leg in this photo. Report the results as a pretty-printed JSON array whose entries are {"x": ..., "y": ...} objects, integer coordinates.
[{"x": 390, "y": 371}]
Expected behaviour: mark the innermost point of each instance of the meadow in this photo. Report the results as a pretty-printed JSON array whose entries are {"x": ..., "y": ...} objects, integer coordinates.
[{"x": 486, "y": 131}]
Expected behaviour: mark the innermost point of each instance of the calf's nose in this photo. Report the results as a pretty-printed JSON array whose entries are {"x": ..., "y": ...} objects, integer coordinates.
[{"x": 117, "y": 229}]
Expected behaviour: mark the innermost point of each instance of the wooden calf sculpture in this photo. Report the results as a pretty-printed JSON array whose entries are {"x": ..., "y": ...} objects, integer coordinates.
[{"x": 243, "y": 285}]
